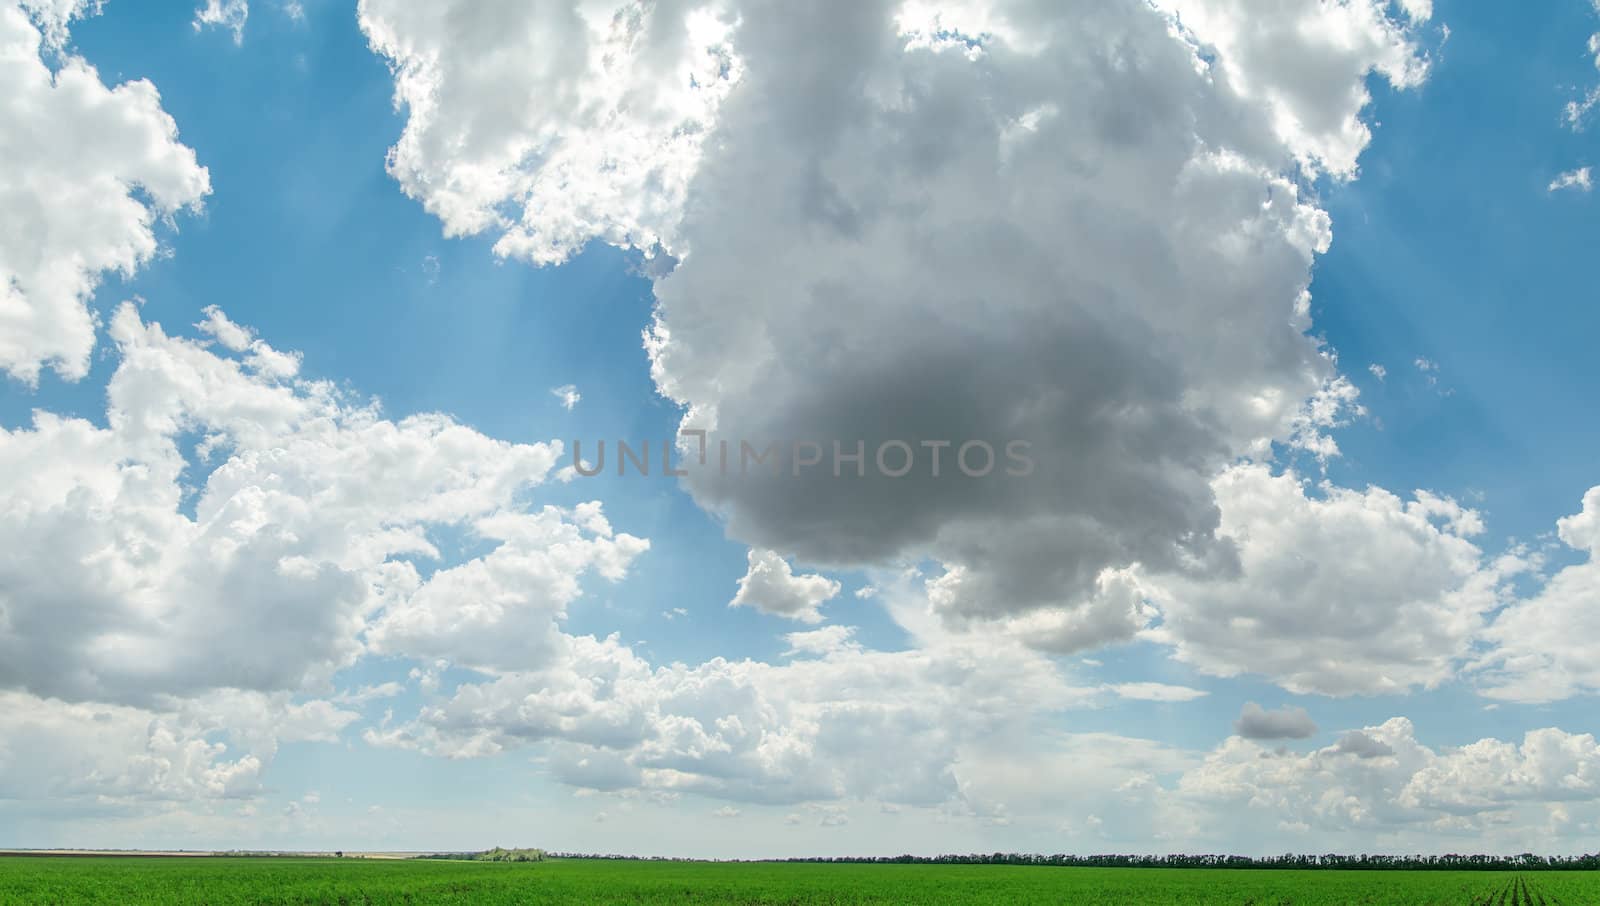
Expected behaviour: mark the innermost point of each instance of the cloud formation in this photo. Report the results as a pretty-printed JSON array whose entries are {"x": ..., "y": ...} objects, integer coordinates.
[
  {"x": 808, "y": 730},
  {"x": 1126, "y": 294},
  {"x": 1576, "y": 113},
  {"x": 568, "y": 395},
  {"x": 225, "y": 491},
  {"x": 1085, "y": 227},
  {"x": 937, "y": 223},
  {"x": 1287, "y": 722},
  {"x": 549, "y": 125},
  {"x": 86, "y": 172},
  {"x": 1577, "y": 180},
  {"x": 770, "y": 586},
  {"x": 229, "y": 14},
  {"x": 1339, "y": 592},
  {"x": 1381, "y": 779},
  {"x": 1537, "y": 646},
  {"x": 226, "y": 422}
]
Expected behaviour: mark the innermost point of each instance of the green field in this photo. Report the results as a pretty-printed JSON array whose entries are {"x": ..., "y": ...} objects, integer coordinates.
[{"x": 220, "y": 881}]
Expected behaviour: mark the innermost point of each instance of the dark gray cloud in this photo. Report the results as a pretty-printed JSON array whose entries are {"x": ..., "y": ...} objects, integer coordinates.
[
  {"x": 1073, "y": 238},
  {"x": 1362, "y": 745},
  {"x": 1256, "y": 722}
]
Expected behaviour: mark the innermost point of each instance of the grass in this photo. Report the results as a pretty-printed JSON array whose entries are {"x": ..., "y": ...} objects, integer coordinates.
[{"x": 222, "y": 881}]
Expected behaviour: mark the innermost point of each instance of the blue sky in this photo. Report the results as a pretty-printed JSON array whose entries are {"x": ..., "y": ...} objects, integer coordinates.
[
  {"x": 594, "y": 695},
  {"x": 1450, "y": 248}
]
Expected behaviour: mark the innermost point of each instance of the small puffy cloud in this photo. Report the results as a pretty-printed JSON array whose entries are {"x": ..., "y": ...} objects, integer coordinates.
[
  {"x": 258, "y": 356},
  {"x": 827, "y": 640},
  {"x": 1577, "y": 111},
  {"x": 229, "y": 14},
  {"x": 1418, "y": 10},
  {"x": 1378, "y": 371},
  {"x": 1287, "y": 722},
  {"x": 1156, "y": 692},
  {"x": 1362, "y": 745},
  {"x": 1334, "y": 405},
  {"x": 86, "y": 172},
  {"x": 568, "y": 395},
  {"x": 770, "y": 586},
  {"x": 1429, "y": 370},
  {"x": 1578, "y": 180},
  {"x": 232, "y": 337}
]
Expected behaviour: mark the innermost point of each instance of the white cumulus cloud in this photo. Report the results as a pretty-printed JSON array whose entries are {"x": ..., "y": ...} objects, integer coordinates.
[
  {"x": 229, "y": 14},
  {"x": 568, "y": 395},
  {"x": 233, "y": 526},
  {"x": 1577, "y": 180},
  {"x": 86, "y": 173},
  {"x": 770, "y": 586},
  {"x": 549, "y": 125},
  {"x": 1339, "y": 591},
  {"x": 1539, "y": 649}
]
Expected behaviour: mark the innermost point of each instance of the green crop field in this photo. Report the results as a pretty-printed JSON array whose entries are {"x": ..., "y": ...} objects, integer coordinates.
[{"x": 221, "y": 881}]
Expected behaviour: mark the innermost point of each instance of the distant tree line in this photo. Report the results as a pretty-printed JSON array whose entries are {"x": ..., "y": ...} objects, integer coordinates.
[
  {"x": 498, "y": 854},
  {"x": 1329, "y": 861}
]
